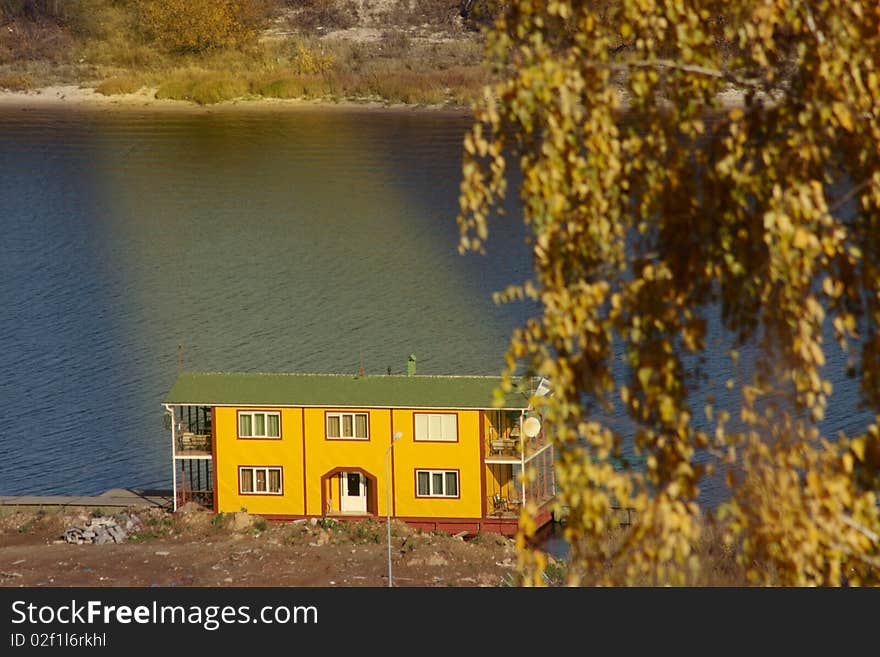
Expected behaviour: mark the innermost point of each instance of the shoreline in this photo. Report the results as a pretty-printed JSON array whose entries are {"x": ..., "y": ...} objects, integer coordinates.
[
  {"x": 115, "y": 497},
  {"x": 75, "y": 97}
]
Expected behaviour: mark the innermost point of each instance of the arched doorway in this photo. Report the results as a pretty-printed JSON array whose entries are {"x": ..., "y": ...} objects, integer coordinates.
[{"x": 351, "y": 489}]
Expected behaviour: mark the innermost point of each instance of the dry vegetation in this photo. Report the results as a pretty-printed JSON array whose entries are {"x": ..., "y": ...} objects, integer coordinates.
[
  {"x": 206, "y": 51},
  {"x": 195, "y": 547}
]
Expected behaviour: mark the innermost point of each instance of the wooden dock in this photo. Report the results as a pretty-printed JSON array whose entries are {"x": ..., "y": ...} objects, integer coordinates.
[{"x": 121, "y": 497}]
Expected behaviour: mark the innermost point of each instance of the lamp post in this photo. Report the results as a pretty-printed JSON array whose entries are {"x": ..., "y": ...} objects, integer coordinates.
[{"x": 394, "y": 438}]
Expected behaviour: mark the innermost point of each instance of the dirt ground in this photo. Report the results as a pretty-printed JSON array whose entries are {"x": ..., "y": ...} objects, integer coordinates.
[{"x": 194, "y": 547}]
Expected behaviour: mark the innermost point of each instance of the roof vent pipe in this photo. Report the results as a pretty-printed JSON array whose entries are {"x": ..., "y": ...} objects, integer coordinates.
[{"x": 411, "y": 365}]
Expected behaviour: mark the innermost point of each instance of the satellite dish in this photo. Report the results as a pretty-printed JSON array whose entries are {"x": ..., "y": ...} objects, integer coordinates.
[{"x": 532, "y": 427}]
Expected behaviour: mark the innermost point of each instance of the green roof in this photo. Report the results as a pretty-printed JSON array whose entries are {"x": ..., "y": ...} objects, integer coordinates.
[{"x": 339, "y": 390}]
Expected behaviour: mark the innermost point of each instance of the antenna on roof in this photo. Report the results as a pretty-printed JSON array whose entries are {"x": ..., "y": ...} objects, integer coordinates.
[
  {"x": 362, "y": 371},
  {"x": 179, "y": 357}
]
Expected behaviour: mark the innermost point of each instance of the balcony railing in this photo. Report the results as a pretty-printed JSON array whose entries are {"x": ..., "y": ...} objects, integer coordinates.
[
  {"x": 503, "y": 447},
  {"x": 503, "y": 507},
  {"x": 193, "y": 444},
  {"x": 511, "y": 446},
  {"x": 203, "y": 498},
  {"x": 510, "y": 506}
]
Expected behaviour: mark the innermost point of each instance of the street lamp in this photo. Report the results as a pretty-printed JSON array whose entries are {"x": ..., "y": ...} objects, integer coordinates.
[{"x": 394, "y": 439}]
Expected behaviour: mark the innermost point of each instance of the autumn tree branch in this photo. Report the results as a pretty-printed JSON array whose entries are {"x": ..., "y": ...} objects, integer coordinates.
[{"x": 754, "y": 83}]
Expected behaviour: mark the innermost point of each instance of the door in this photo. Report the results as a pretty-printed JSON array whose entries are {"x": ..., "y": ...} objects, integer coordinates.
[{"x": 353, "y": 493}]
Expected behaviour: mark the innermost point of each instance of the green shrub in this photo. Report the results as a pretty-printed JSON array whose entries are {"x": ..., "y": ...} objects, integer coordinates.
[{"x": 33, "y": 10}]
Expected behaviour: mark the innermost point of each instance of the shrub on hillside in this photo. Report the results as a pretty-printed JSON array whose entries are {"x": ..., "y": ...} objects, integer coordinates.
[
  {"x": 193, "y": 26},
  {"x": 33, "y": 10},
  {"x": 15, "y": 82},
  {"x": 120, "y": 84},
  {"x": 309, "y": 15}
]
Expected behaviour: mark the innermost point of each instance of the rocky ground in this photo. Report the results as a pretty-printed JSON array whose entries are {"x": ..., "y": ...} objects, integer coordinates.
[{"x": 194, "y": 547}]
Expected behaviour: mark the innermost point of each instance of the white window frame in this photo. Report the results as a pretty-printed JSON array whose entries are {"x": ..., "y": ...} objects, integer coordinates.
[
  {"x": 431, "y": 481},
  {"x": 265, "y": 415},
  {"x": 340, "y": 415},
  {"x": 265, "y": 469},
  {"x": 435, "y": 427}
]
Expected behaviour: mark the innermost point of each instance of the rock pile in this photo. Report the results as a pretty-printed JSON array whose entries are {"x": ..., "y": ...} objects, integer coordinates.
[{"x": 113, "y": 529}]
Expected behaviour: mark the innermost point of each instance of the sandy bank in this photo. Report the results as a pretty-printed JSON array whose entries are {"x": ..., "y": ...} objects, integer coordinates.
[
  {"x": 72, "y": 96},
  {"x": 75, "y": 97}
]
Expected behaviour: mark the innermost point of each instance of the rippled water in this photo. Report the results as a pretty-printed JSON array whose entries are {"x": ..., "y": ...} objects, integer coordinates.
[
  {"x": 307, "y": 241},
  {"x": 310, "y": 241}
]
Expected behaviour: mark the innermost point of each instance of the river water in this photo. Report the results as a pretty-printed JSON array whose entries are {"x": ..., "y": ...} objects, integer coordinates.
[
  {"x": 306, "y": 241},
  {"x": 303, "y": 241}
]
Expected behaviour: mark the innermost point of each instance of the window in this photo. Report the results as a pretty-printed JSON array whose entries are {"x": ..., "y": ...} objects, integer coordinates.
[
  {"x": 436, "y": 426},
  {"x": 260, "y": 481},
  {"x": 436, "y": 483},
  {"x": 349, "y": 426},
  {"x": 259, "y": 424}
]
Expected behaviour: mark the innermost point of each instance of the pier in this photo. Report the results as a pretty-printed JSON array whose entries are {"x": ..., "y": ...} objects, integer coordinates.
[{"x": 121, "y": 497}]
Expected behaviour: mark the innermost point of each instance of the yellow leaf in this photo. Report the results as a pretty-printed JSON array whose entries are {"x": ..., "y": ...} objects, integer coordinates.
[
  {"x": 828, "y": 286},
  {"x": 801, "y": 238},
  {"x": 858, "y": 447},
  {"x": 667, "y": 409},
  {"x": 844, "y": 117},
  {"x": 644, "y": 376}
]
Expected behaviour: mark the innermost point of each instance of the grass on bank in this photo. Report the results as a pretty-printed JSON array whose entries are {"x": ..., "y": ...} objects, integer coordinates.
[{"x": 126, "y": 83}]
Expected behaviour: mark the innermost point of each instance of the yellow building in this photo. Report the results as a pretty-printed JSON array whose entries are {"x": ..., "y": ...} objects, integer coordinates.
[{"x": 289, "y": 446}]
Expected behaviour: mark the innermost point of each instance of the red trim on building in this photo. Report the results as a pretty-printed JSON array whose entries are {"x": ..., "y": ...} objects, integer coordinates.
[
  {"x": 393, "y": 492},
  {"x": 508, "y": 526},
  {"x": 214, "y": 456},
  {"x": 483, "y": 508},
  {"x": 305, "y": 487}
]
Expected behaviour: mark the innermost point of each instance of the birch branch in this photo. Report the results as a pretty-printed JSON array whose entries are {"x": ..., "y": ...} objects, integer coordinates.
[
  {"x": 754, "y": 83},
  {"x": 872, "y": 536}
]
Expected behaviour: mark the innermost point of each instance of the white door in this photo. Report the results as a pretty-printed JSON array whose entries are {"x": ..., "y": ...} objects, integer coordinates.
[{"x": 353, "y": 496}]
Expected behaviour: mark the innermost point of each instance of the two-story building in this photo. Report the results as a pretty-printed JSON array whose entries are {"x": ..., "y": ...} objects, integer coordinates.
[{"x": 289, "y": 446}]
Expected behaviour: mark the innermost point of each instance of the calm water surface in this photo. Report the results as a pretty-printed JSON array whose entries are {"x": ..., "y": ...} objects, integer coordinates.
[{"x": 309, "y": 241}]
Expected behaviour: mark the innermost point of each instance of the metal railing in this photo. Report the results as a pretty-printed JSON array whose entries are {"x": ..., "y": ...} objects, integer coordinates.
[{"x": 193, "y": 443}]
